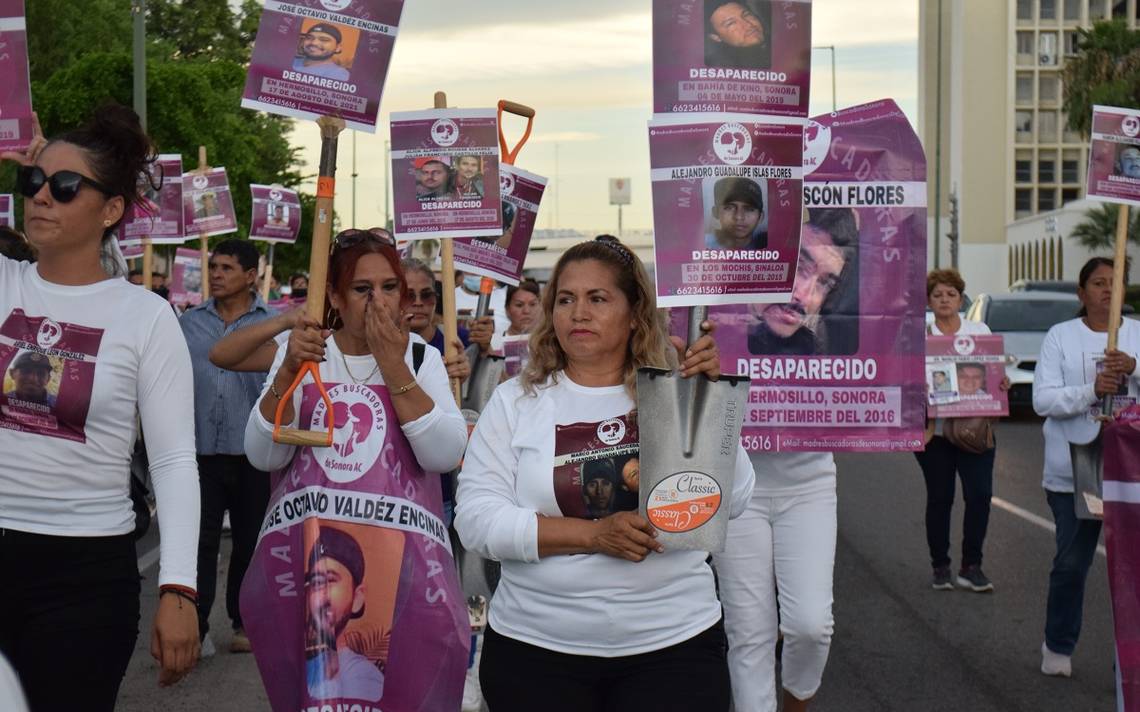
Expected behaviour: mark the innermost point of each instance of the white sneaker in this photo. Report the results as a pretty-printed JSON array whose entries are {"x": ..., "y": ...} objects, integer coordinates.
[
  {"x": 208, "y": 649},
  {"x": 1055, "y": 664},
  {"x": 472, "y": 690}
]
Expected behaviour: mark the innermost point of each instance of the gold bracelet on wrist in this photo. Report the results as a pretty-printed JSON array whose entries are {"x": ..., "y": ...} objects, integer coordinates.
[{"x": 404, "y": 389}]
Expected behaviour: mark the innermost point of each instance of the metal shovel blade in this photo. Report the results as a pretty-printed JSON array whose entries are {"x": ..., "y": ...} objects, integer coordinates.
[
  {"x": 1088, "y": 478},
  {"x": 486, "y": 373},
  {"x": 690, "y": 432}
]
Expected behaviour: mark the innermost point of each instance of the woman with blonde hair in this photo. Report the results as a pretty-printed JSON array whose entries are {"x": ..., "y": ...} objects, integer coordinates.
[{"x": 590, "y": 613}]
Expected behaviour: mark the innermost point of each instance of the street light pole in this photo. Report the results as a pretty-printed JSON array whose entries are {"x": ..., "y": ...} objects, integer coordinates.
[
  {"x": 138, "y": 10},
  {"x": 938, "y": 148},
  {"x": 831, "y": 48}
]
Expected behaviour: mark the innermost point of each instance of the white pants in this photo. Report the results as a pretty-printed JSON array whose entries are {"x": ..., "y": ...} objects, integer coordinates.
[{"x": 785, "y": 547}]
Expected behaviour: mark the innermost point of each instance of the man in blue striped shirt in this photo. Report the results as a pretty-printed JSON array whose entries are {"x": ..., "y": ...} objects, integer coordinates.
[{"x": 222, "y": 403}]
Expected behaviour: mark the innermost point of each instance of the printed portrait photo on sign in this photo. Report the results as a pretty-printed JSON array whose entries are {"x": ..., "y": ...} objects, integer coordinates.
[
  {"x": 326, "y": 49},
  {"x": 510, "y": 217},
  {"x": 434, "y": 178},
  {"x": 206, "y": 205},
  {"x": 971, "y": 379},
  {"x": 596, "y": 470},
  {"x": 737, "y": 220},
  {"x": 469, "y": 176},
  {"x": 738, "y": 33},
  {"x": 352, "y": 575},
  {"x": 822, "y": 316},
  {"x": 32, "y": 380},
  {"x": 278, "y": 214},
  {"x": 1127, "y": 161}
]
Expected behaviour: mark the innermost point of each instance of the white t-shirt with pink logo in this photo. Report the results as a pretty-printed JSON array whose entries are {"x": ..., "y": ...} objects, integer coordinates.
[{"x": 76, "y": 364}]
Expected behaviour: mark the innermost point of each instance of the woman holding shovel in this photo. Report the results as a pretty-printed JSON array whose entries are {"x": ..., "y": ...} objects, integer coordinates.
[
  {"x": 84, "y": 351},
  {"x": 1071, "y": 379},
  {"x": 590, "y": 614}
]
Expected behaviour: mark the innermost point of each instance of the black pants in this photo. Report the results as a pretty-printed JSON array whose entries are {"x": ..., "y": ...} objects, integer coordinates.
[
  {"x": 69, "y": 617},
  {"x": 686, "y": 677},
  {"x": 939, "y": 463},
  {"x": 227, "y": 482}
]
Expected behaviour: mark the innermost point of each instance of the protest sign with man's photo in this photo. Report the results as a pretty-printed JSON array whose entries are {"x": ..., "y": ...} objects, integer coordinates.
[
  {"x": 159, "y": 216},
  {"x": 727, "y": 206},
  {"x": 318, "y": 58},
  {"x": 445, "y": 168},
  {"x": 841, "y": 365},
  {"x": 207, "y": 206},
  {"x": 1114, "y": 157},
  {"x": 276, "y": 214},
  {"x": 501, "y": 257},
  {"x": 732, "y": 56},
  {"x": 186, "y": 277},
  {"x": 15, "y": 84},
  {"x": 972, "y": 368}
]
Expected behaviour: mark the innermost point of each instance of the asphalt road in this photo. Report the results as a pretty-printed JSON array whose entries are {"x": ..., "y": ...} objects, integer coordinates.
[{"x": 898, "y": 644}]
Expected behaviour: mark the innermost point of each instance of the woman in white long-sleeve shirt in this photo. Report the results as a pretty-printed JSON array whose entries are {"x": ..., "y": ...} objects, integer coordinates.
[
  {"x": 81, "y": 352},
  {"x": 1074, "y": 372},
  {"x": 591, "y": 612}
]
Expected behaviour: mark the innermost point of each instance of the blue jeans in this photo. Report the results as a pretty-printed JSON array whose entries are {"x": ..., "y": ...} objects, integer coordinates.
[
  {"x": 940, "y": 462},
  {"x": 1076, "y": 547}
]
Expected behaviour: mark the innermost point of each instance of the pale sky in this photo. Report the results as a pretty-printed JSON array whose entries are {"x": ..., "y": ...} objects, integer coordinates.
[{"x": 585, "y": 66}]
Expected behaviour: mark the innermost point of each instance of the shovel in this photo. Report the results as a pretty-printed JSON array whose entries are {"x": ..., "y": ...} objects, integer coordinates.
[{"x": 688, "y": 451}]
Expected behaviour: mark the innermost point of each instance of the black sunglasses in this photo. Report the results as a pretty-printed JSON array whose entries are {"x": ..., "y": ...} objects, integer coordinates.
[
  {"x": 427, "y": 296},
  {"x": 348, "y": 238},
  {"x": 64, "y": 185}
]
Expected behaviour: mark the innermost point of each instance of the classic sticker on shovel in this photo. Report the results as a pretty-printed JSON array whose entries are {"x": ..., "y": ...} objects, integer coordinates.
[{"x": 683, "y": 502}]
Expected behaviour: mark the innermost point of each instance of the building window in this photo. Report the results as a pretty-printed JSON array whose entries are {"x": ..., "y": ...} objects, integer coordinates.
[
  {"x": 1049, "y": 89},
  {"x": 1023, "y": 202},
  {"x": 1070, "y": 136},
  {"x": 1024, "y": 9},
  {"x": 1046, "y": 200},
  {"x": 1023, "y": 170},
  {"x": 1046, "y": 170},
  {"x": 1070, "y": 42},
  {"x": 1073, "y": 10},
  {"x": 1070, "y": 168},
  {"x": 1047, "y": 127},
  {"x": 1023, "y": 126},
  {"x": 1025, "y": 47},
  {"x": 1048, "y": 9},
  {"x": 1119, "y": 9},
  {"x": 1024, "y": 87},
  {"x": 1047, "y": 49},
  {"x": 1097, "y": 10},
  {"x": 1070, "y": 195}
]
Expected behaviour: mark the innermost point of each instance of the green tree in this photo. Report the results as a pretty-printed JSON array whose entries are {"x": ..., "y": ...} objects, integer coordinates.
[
  {"x": 1105, "y": 71},
  {"x": 1097, "y": 232}
]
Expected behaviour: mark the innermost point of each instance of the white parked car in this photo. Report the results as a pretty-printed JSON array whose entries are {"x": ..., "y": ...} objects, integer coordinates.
[{"x": 1023, "y": 318}]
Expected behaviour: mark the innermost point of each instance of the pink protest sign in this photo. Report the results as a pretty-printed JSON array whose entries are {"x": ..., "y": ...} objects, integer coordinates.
[
  {"x": 276, "y": 214},
  {"x": 399, "y": 640},
  {"x": 840, "y": 366},
  {"x": 15, "y": 85},
  {"x": 1121, "y": 532},
  {"x": 732, "y": 56},
  {"x": 1114, "y": 158},
  {"x": 318, "y": 58},
  {"x": 186, "y": 277},
  {"x": 727, "y": 208},
  {"x": 445, "y": 168},
  {"x": 7, "y": 210},
  {"x": 516, "y": 353},
  {"x": 160, "y": 216},
  {"x": 502, "y": 257},
  {"x": 132, "y": 252},
  {"x": 207, "y": 206},
  {"x": 964, "y": 375}
]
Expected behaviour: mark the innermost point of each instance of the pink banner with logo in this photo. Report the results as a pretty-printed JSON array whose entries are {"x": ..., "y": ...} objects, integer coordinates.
[
  {"x": 160, "y": 216},
  {"x": 186, "y": 277},
  {"x": 445, "y": 168},
  {"x": 7, "y": 210},
  {"x": 727, "y": 208},
  {"x": 15, "y": 83},
  {"x": 964, "y": 375},
  {"x": 207, "y": 205},
  {"x": 840, "y": 366},
  {"x": 1114, "y": 156},
  {"x": 352, "y": 599},
  {"x": 276, "y": 214},
  {"x": 318, "y": 58},
  {"x": 1121, "y": 532},
  {"x": 732, "y": 56},
  {"x": 501, "y": 258}
]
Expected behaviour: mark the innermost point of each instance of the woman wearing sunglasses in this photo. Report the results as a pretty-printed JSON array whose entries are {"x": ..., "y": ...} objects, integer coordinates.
[
  {"x": 88, "y": 352},
  {"x": 395, "y": 420}
]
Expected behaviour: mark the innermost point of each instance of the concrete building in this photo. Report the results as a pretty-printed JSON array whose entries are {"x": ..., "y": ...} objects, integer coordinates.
[{"x": 1004, "y": 150}]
